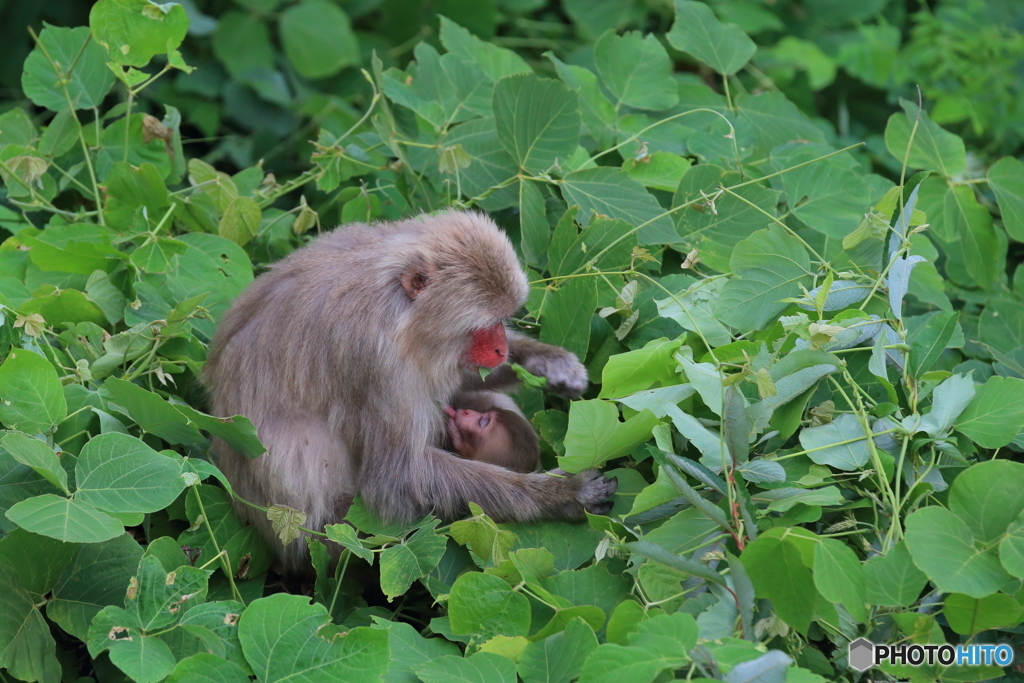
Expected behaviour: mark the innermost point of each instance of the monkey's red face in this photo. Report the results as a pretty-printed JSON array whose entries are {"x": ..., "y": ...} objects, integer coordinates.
[{"x": 488, "y": 348}]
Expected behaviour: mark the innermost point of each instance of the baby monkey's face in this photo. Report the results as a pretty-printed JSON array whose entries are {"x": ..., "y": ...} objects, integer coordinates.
[{"x": 472, "y": 432}]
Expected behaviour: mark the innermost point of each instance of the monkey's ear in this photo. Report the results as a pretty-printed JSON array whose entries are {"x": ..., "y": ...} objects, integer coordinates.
[{"x": 416, "y": 277}]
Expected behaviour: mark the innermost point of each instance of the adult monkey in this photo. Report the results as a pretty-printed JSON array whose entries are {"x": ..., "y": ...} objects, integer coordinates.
[{"x": 342, "y": 354}]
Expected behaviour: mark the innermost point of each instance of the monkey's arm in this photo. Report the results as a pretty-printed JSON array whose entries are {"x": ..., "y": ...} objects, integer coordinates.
[
  {"x": 448, "y": 484},
  {"x": 565, "y": 373}
]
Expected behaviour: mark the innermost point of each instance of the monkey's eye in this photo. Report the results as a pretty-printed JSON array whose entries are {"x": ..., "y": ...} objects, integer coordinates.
[{"x": 484, "y": 420}]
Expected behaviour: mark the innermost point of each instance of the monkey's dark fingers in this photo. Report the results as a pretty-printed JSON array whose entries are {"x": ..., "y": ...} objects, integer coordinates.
[
  {"x": 595, "y": 490},
  {"x": 565, "y": 373},
  {"x": 600, "y": 508}
]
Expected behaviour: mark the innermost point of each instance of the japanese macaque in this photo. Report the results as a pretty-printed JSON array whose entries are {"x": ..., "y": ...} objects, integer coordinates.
[
  {"x": 487, "y": 426},
  {"x": 341, "y": 355}
]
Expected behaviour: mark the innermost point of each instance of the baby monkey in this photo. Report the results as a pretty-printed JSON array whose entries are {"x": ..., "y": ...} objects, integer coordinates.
[{"x": 487, "y": 426}]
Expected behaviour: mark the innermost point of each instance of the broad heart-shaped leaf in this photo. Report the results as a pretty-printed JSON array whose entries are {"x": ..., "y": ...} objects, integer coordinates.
[
  {"x": 558, "y": 658},
  {"x": 409, "y": 650},
  {"x": 482, "y": 667},
  {"x": 829, "y": 196},
  {"x": 37, "y": 455},
  {"x": 636, "y": 70},
  {"x": 153, "y": 414},
  {"x": 777, "y": 570},
  {"x": 944, "y": 548},
  {"x": 839, "y": 577},
  {"x": 567, "y": 313},
  {"x": 949, "y": 400},
  {"x": 1011, "y": 548},
  {"x": 694, "y": 310},
  {"x": 484, "y": 605},
  {"x": 143, "y": 658},
  {"x": 241, "y": 220},
  {"x": 627, "y": 373},
  {"x": 74, "y": 521},
  {"x": 133, "y": 31},
  {"x": 209, "y": 510},
  {"x": 415, "y": 557},
  {"x": 31, "y": 397},
  {"x": 662, "y": 642},
  {"x": 595, "y": 434},
  {"x": 715, "y": 234},
  {"x": 768, "y": 267},
  {"x": 723, "y": 47},
  {"x": 829, "y": 440},
  {"x": 933, "y": 148},
  {"x": 968, "y": 616},
  {"x": 207, "y": 667},
  {"x": 533, "y": 224},
  {"x": 491, "y": 165},
  {"x": 986, "y": 497},
  {"x": 964, "y": 227},
  {"x": 610, "y": 192},
  {"x": 285, "y": 638},
  {"x": 317, "y": 38},
  {"x": 661, "y": 170},
  {"x": 97, "y": 576},
  {"x": 158, "y": 598},
  {"x": 996, "y": 415},
  {"x": 120, "y": 473},
  {"x": 26, "y": 645},
  {"x": 497, "y": 62},
  {"x": 597, "y": 112},
  {"x": 775, "y": 121},
  {"x": 537, "y": 119},
  {"x": 892, "y": 579},
  {"x": 87, "y": 84},
  {"x": 1006, "y": 178}
]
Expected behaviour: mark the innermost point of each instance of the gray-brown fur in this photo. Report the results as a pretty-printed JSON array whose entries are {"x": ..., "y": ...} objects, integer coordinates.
[{"x": 342, "y": 370}]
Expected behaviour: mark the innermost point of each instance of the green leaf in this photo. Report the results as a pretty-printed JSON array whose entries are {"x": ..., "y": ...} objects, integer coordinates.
[
  {"x": 660, "y": 170},
  {"x": 484, "y": 605},
  {"x": 61, "y": 135},
  {"x": 715, "y": 233},
  {"x": 839, "y": 577},
  {"x": 409, "y": 650},
  {"x": 497, "y": 62},
  {"x": 247, "y": 552},
  {"x": 1006, "y": 178},
  {"x": 928, "y": 340},
  {"x": 286, "y": 638},
  {"x": 87, "y": 84},
  {"x": 636, "y": 70},
  {"x": 610, "y": 192},
  {"x": 129, "y": 189},
  {"x": 120, "y": 473},
  {"x": 775, "y": 121},
  {"x": 207, "y": 668},
  {"x": 413, "y": 558},
  {"x": 696, "y": 29},
  {"x": 242, "y": 44},
  {"x": 662, "y": 642},
  {"x": 595, "y": 434},
  {"x": 1011, "y": 548},
  {"x": 160, "y": 596},
  {"x": 348, "y": 537},
  {"x": 533, "y": 223},
  {"x": 37, "y": 560},
  {"x": 596, "y": 111},
  {"x": 830, "y": 196},
  {"x": 892, "y": 580},
  {"x": 996, "y": 414},
  {"x": 969, "y": 616},
  {"x": 74, "y": 521},
  {"x": 777, "y": 570},
  {"x": 133, "y": 31},
  {"x": 491, "y": 165},
  {"x": 145, "y": 659},
  {"x": 964, "y": 227},
  {"x": 567, "y": 315},
  {"x": 483, "y": 667},
  {"x": 829, "y": 438},
  {"x": 933, "y": 148},
  {"x": 241, "y": 220},
  {"x": 983, "y": 496},
  {"x": 537, "y": 119},
  {"x": 318, "y": 39},
  {"x": 31, "y": 397},
  {"x": 558, "y": 658},
  {"x": 37, "y": 455},
  {"x": 633, "y": 371},
  {"x": 96, "y": 577},
  {"x": 768, "y": 266},
  {"x": 944, "y": 548},
  {"x": 694, "y": 310},
  {"x": 27, "y": 650}
]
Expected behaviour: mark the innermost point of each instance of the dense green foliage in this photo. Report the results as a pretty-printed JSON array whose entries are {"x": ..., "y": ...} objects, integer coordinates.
[{"x": 784, "y": 236}]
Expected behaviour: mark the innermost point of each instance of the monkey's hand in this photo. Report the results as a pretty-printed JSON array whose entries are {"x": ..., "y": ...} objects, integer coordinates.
[
  {"x": 565, "y": 373},
  {"x": 593, "y": 491}
]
